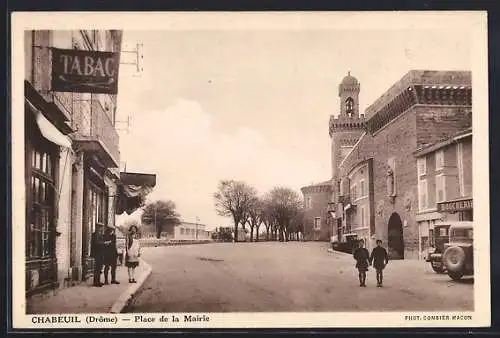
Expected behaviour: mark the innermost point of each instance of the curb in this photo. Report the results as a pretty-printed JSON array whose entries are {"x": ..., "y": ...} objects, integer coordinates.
[{"x": 129, "y": 294}]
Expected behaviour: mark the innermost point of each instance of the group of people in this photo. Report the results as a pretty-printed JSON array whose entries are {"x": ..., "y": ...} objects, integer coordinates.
[
  {"x": 105, "y": 253},
  {"x": 378, "y": 259}
]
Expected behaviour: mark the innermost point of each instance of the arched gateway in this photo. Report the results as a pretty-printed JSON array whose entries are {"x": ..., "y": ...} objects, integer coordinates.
[{"x": 395, "y": 236}]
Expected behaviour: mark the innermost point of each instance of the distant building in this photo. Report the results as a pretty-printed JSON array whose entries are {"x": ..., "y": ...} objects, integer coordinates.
[
  {"x": 182, "y": 231},
  {"x": 191, "y": 231},
  {"x": 317, "y": 223}
]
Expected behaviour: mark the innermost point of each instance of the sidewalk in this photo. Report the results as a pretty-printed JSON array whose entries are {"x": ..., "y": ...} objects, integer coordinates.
[{"x": 85, "y": 298}]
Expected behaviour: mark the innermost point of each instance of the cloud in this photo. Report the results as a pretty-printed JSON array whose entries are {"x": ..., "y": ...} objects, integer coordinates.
[{"x": 189, "y": 157}]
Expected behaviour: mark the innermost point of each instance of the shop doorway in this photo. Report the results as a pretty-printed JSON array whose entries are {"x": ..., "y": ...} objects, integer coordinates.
[{"x": 395, "y": 236}]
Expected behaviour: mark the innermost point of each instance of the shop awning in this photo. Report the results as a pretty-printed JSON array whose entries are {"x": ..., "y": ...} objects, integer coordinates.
[
  {"x": 132, "y": 190},
  {"x": 48, "y": 130}
]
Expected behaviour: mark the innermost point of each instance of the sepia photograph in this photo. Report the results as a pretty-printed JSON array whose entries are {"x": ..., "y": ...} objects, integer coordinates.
[{"x": 314, "y": 169}]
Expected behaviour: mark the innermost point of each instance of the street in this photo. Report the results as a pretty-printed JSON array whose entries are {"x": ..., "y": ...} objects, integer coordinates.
[{"x": 285, "y": 277}]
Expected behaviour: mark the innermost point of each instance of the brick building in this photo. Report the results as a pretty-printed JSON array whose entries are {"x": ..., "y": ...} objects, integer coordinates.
[
  {"x": 317, "y": 223},
  {"x": 375, "y": 185},
  {"x": 345, "y": 130},
  {"x": 444, "y": 176},
  {"x": 72, "y": 157}
]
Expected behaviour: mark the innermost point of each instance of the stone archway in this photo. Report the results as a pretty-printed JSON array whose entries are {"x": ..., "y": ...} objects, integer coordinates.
[{"x": 396, "y": 245}]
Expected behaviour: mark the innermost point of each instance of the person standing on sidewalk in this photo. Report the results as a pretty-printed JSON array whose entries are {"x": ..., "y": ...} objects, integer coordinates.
[
  {"x": 362, "y": 256},
  {"x": 379, "y": 258},
  {"x": 110, "y": 255},
  {"x": 97, "y": 252},
  {"x": 133, "y": 252}
]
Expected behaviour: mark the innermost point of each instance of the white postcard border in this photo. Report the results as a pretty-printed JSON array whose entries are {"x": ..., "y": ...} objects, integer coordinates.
[{"x": 474, "y": 22}]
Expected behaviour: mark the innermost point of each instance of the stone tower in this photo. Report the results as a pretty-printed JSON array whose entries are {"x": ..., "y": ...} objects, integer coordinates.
[{"x": 346, "y": 128}]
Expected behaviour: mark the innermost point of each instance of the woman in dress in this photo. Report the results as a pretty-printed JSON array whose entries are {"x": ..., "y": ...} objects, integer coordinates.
[
  {"x": 133, "y": 252},
  {"x": 362, "y": 257}
]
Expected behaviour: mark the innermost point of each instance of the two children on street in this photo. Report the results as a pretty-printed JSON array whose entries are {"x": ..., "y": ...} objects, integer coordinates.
[{"x": 378, "y": 259}]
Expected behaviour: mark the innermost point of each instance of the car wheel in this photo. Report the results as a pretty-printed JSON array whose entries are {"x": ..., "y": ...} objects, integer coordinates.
[
  {"x": 454, "y": 260},
  {"x": 455, "y": 275}
]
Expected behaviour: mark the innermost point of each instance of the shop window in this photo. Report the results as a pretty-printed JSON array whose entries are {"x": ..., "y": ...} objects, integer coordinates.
[
  {"x": 98, "y": 209},
  {"x": 42, "y": 197}
]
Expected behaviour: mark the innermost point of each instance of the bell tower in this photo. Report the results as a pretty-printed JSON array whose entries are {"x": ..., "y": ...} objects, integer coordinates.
[
  {"x": 347, "y": 127},
  {"x": 349, "y": 96}
]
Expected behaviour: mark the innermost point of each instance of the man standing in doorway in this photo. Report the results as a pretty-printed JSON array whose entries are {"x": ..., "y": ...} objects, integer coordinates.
[
  {"x": 379, "y": 258},
  {"x": 97, "y": 252}
]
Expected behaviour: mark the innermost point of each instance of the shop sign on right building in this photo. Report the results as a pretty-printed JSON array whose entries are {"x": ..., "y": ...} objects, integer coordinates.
[
  {"x": 411, "y": 165},
  {"x": 444, "y": 176}
]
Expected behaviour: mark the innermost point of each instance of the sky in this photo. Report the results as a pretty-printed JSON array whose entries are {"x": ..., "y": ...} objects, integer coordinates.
[{"x": 254, "y": 105}]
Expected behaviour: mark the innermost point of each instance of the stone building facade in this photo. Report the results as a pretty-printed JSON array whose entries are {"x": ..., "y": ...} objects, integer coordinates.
[
  {"x": 420, "y": 109},
  {"x": 72, "y": 157},
  {"x": 317, "y": 222},
  {"x": 444, "y": 176}
]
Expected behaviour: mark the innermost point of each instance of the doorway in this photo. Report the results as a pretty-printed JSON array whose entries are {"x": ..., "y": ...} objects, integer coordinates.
[{"x": 395, "y": 237}]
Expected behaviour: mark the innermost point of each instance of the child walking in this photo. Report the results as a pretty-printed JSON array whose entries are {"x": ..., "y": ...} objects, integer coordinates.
[
  {"x": 362, "y": 256},
  {"x": 380, "y": 258}
]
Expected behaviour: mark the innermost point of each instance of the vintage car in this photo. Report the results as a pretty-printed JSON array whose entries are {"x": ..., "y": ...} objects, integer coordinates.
[
  {"x": 435, "y": 253},
  {"x": 458, "y": 256},
  {"x": 346, "y": 244}
]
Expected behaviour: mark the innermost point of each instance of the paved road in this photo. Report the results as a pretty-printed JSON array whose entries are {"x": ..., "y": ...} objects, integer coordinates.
[{"x": 262, "y": 277}]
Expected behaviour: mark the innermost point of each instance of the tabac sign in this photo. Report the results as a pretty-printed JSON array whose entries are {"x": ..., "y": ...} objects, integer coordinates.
[
  {"x": 455, "y": 206},
  {"x": 85, "y": 71}
]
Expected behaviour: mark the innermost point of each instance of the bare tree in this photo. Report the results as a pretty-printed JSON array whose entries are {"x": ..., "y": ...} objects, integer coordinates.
[
  {"x": 232, "y": 199},
  {"x": 266, "y": 217},
  {"x": 245, "y": 218},
  {"x": 297, "y": 223},
  {"x": 255, "y": 216},
  {"x": 284, "y": 204}
]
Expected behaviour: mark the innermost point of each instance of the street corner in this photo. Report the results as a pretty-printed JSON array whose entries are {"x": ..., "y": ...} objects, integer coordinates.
[{"x": 129, "y": 294}]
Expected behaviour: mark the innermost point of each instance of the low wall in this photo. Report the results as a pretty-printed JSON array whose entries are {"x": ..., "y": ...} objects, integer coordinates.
[{"x": 145, "y": 242}]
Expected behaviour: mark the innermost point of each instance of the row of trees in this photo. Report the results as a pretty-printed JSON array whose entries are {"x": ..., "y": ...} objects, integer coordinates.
[{"x": 280, "y": 210}]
